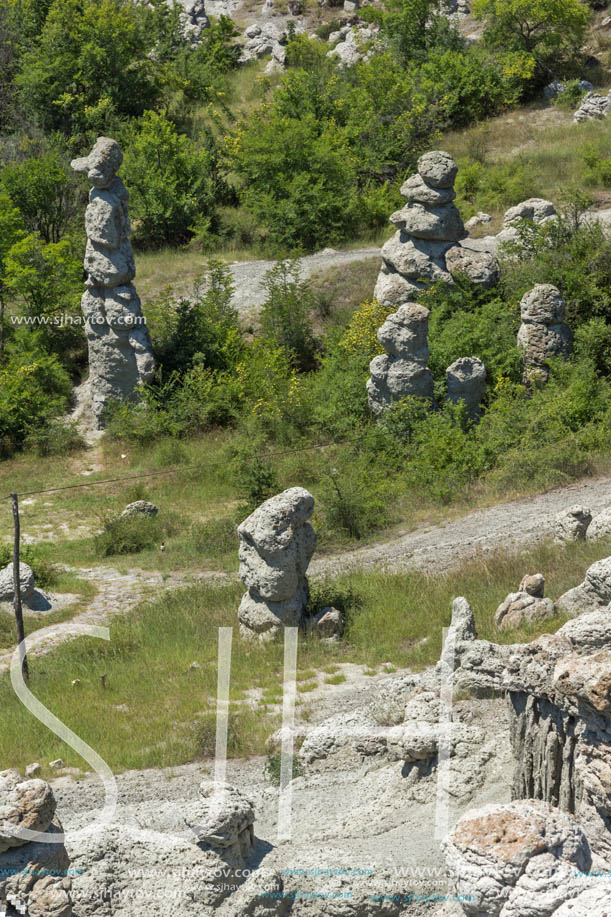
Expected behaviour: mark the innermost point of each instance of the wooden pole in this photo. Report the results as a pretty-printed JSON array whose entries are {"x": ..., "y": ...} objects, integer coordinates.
[{"x": 16, "y": 584}]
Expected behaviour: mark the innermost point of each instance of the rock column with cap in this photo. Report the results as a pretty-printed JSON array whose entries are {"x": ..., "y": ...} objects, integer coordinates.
[
  {"x": 466, "y": 380},
  {"x": 429, "y": 228},
  {"x": 402, "y": 370},
  {"x": 120, "y": 351},
  {"x": 276, "y": 545},
  {"x": 543, "y": 332}
]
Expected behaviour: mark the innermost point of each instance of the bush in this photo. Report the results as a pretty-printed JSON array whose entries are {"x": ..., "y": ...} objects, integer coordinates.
[
  {"x": 56, "y": 439},
  {"x": 132, "y": 534},
  {"x": 285, "y": 316}
]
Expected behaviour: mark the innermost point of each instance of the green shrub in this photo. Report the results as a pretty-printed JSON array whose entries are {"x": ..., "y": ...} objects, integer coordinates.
[
  {"x": 46, "y": 573},
  {"x": 56, "y": 438},
  {"x": 356, "y": 500},
  {"x": 132, "y": 534},
  {"x": 285, "y": 316}
]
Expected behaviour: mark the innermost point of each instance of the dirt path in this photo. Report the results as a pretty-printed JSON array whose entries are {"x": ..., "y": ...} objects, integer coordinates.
[
  {"x": 438, "y": 548},
  {"x": 248, "y": 275}
]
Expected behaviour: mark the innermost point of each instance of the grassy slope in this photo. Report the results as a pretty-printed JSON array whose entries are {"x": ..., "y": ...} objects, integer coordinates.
[{"x": 156, "y": 711}]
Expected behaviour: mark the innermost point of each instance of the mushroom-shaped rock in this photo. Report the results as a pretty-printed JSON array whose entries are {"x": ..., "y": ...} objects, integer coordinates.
[
  {"x": 466, "y": 379},
  {"x": 526, "y": 605},
  {"x": 276, "y": 544},
  {"x": 521, "y": 859}
]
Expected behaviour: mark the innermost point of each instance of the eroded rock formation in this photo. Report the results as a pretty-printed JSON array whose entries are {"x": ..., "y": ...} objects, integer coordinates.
[
  {"x": 120, "y": 352},
  {"x": 526, "y": 605},
  {"x": 572, "y": 524},
  {"x": 543, "y": 332},
  {"x": 227, "y": 826},
  {"x": 593, "y": 106},
  {"x": 429, "y": 228},
  {"x": 402, "y": 370},
  {"x": 466, "y": 380},
  {"x": 591, "y": 595},
  {"x": 33, "y": 874},
  {"x": 276, "y": 545}
]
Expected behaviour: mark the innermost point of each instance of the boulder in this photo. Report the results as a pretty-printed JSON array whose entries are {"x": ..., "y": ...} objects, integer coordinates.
[
  {"x": 228, "y": 823},
  {"x": 120, "y": 351},
  {"x": 26, "y": 582},
  {"x": 479, "y": 267},
  {"x": 23, "y": 804},
  {"x": 591, "y": 595},
  {"x": 600, "y": 526},
  {"x": 543, "y": 332},
  {"x": 328, "y": 623},
  {"x": 466, "y": 380},
  {"x": 594, "y": 106},
  {"x": 276, "y": 544},
  {"x": 516, "y": 860},
  {"x": 480, "y": 219},
  {"x": 140, "y": 508},
  {"x": 438, "y": 169},
  {"x": 572, "y": 524},
  {"x": 536, "y": 210}
]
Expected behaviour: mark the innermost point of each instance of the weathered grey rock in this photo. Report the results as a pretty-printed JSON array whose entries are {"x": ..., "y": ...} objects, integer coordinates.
[
  {"x": 402, "y": 370},
  {"x": 328, "y": 623},
  {"x": 441, "y": 223},
  {"x": 276, "y": 545},
  {"x": 23, "y": 804},
  {"x": 193, "y": 20},
  {"x": 480, "y": 267},
  {"x": 120, "y": 352},
  {"x": 593, "y": 902},
  {"x": 592, "y": 594},
  {"x": 26, "y": 582},
  {"x": 417, "y": 259},
  {"x": 32, "y": 770},
  {"x": 438, "y": 169},
  {"x": 140, "y": 508},
  {"x": 228, "y": 823},
  {"x": 588, "y": 632},
  {"x": 600, "y": 526},
  {"x": 480, "y": 219},
  {"x": 466, "y": 379},
  {"x": 593, "y": 107},
  {"x": 357, "y": 44},
  {"x": 417, "y": 191},
  {"x": 526, "y": 605},
  {"x": 516, "y": 860},
  {"x": 536, "y": 210},
  {"x": 393, "y": 289},
  {"x": 543, "y": 332},
  {"x": 572, "y": 524}
]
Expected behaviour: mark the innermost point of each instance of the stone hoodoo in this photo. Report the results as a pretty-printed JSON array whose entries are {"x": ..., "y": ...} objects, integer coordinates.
[
  {"x": 33, "y": 874},
  {"x": 543, "y": 332},
  {"x": 466, "y": 379},
  {"x": 276, "y": 545},
  {"x": 120, "y": 352},
  {"x": 572, "y": 524},
  {"x": 402, "y": 370},
  {"x": 526, "y": 605},
  {"x": 559, "y": 697},
  {"x": 428, "y": 227}
]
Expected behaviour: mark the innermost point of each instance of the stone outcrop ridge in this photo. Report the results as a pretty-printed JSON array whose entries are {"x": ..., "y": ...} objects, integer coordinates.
[
  {"x": 120, "y": 352},
  {"x": 593, "y": 106},
  {"x": 526, "y": 605},
  {"x": 26, "y": 867},
  {"x": 276, "y": 545},
  {"x": 402, "y": 370},
  {"x": 559, "y": 696},
  {"x": 428, "y": 228},
  {"x": 543, "y": 332},
  {"x": 466, "y": 381}
]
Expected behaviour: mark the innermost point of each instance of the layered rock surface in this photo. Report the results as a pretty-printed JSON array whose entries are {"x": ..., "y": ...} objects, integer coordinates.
[
  {"x": 429, "y": 232},
  {"x": 276, "y": 545},
  {"x": 402, "y": 370},
  {"x": 120, "y": 352}
]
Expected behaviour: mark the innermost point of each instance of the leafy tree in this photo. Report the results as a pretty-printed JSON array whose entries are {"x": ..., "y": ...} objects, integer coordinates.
[
  {"x": 285, "y": 317},
  {"x": 44, "y": 194},
  {"x": 173, "y": 182},
  {"x": 551, "y": 31},
  {"x": 11, "y": 231},
  {"x": 411, "y": 28},
  {"x": 92, "y": 63}
]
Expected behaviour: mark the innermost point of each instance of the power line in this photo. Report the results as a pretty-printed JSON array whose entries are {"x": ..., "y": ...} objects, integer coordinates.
[{"x": 149, "y": 474}]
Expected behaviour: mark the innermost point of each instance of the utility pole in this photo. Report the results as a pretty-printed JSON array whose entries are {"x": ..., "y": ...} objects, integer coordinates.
[{"x": 17, "y": 585}]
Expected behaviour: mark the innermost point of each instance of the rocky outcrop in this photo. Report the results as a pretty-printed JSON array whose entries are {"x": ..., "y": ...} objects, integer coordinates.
[
  {"x": 33, "y": 874},
  {"x": 526, "y": 605},
  {"x": 572, "y": 524},
  {"x": 593, "y": 107},
  {"x": 521, "y": 859},
  {"x": 276, "y": 545},
  {"x": 535, "y": 210},
  {"x": 354, "y": 43},
  {"x": 600, "y": 527},
  {"x": 543, "y": 332},
  {"x": 558, "y": 689},
  {"x": 26, "y": 582},
  {"x": 591, "y": 595},
  {"x": 557, "y": 87},
  {"x": 193, "y": 21},
  {"x": 402, "y": 370},
  {"x": 120, "y": 352},
  {"x": 428, "y": 228},
  {"x": 263, "y": 39},
  {"x": 466, "y": 380},
  {"x": 227, "y": 826}
]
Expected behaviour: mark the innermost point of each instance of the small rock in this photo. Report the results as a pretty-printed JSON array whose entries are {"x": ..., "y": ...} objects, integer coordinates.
[
  {"x": 480, "y": 219},
  {"x": 26, "y": 582},
  {"x": 76, "y": 682},
  {"x": 194, "y": 667},
  {"x": 572, "y": 524},
  {"x": 32, "y": 770},
  {"x": 533, "y": 585},
  {"x": 58, "y": 764},
  {"x": 592, "y": 594},
  {"x": 140, "y": 508},
  {"x": 328, "y": 623}
]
